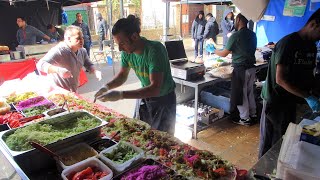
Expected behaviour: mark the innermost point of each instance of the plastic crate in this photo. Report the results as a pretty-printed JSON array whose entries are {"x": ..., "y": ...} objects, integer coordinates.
[
  {"x": 125, "y": 165},
  {"x": 92, "y": 162},
  {"x": 216, "y": 97}
]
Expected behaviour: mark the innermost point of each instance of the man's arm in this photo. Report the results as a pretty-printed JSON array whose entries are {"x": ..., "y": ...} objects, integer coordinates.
[
  {"x": 119, "y": 79},
  {"x": 206, "y": 31},
  {"x": 40, "y": 33},
  {"x": 105, "y": 28},
  {"x": 222, "y": 53},
  {"x": 282, "y": 81},
  {"x": 153, "y": 90}
]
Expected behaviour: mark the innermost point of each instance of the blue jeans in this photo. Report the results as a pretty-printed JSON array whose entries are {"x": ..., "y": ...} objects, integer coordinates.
[
  {"x": 87, "y": 47},
  {"x": 198, "y": 42}
]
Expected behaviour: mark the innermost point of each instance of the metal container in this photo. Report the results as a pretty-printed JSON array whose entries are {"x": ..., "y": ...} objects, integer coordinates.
[
  {"x": 15, "y": 55},
  {"x": 5, "y": 57},
  {"x": 34, "y": 160}
]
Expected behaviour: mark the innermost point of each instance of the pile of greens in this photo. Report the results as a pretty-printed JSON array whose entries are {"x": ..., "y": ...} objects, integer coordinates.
[
  {"x": 49, "y": 131},
  {"x": 38, "y": 109},
  {"x": 121, "y": 153}
]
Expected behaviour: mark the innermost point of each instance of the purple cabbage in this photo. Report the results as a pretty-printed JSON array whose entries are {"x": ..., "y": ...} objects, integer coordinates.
[
  {"x": 147, "y": 172},
  {"x": 32, "y": 102}
]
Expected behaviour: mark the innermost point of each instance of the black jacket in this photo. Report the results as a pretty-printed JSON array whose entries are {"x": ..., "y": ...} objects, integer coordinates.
[
  {"x": 197, "y": 29},
  {"x": 212, "y": 29}
]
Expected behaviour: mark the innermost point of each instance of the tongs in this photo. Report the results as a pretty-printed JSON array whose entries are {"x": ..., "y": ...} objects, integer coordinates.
[
  {"x": 65, "y": 103},
  {"x": 45, "y": 150}
]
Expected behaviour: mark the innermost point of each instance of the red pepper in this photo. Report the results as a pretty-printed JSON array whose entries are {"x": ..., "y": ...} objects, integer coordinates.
[
  {"x": 220, "y": 171},
  {"x": 82, "y": 174}
]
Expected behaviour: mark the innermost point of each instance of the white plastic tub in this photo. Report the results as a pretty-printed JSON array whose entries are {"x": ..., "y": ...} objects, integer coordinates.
[
  {"x": 73, "y": 151},
  {"x": 90, "y": 162},
  {"x": 125, "y": 165}
]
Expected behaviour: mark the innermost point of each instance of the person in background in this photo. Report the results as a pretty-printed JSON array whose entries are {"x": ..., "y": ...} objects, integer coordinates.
[
  {"x": 53, "y": 33},
  {"x": 64, "y": 61},
  {"x": 290, "y": 80},
  {"x": 150, "y": 61},
  {"x": 211, "y": 29},
  {"x": 242, "y": 44},
  {"x": 26, "y": 34},
  {"x": 86, "y": 32},
  {"x": 227, "y": 25},
  {"x": 102, "y": 30},
  {"x": 64, "y": 17},
  {"x": 197, "y": 31}
]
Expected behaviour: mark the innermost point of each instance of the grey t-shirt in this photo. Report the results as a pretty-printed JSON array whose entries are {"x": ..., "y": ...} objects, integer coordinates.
[
  {"x": 62, "y": 56},
  {"x": 28, "y": 36}
]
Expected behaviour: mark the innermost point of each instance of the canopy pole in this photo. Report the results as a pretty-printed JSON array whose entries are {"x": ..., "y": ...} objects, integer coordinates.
[
  {"x": 166, "y": 22},
  {"x": 110, "y": 33},
  {"x": 121, "y": 9}
]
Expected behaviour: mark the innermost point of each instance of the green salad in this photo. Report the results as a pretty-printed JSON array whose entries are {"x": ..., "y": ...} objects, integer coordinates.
[
  {"x": 121, "y": 153},
  {"x": 49, "y": 131}
]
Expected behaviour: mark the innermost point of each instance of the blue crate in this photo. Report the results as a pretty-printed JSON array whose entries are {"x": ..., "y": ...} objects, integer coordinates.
[{"x": 217, "y": 97}]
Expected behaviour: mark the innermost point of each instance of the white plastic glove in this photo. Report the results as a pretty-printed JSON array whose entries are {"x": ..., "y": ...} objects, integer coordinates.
[
  {"x": 102, "y": 90},
  {"x": 64, "y": 73},
  {"x": 229, "y": 34},
  {"x": 111, "y": 96},
  {"x": 98, "y": 75}
]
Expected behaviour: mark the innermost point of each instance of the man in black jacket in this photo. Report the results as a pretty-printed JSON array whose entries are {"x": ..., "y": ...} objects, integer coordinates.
[
  {"x": 212, "y": 28},
  {"x": 85, "y": 30}
]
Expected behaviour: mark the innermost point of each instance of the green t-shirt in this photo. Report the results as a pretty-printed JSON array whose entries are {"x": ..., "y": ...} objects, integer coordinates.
[
  {"x": 243, "y": 44},
  {"x": 298, "y": 56},
  {"x": 154, "y": 59}
]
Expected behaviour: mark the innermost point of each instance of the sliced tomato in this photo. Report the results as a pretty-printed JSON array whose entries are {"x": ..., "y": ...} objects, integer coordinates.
[{"x": 82, "y": 174}]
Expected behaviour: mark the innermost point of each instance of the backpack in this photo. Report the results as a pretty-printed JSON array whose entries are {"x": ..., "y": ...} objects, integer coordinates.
[{"x": 216, "y": 28}]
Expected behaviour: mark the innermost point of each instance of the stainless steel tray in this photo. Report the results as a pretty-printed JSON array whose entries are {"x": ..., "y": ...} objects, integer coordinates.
[{"x": 33, "y": 159}]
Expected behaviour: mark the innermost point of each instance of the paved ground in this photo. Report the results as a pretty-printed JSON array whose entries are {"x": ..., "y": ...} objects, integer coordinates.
[{"x": 236, "y": 143}]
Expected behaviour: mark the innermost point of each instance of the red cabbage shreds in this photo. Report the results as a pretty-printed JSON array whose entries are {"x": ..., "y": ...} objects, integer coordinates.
[
  {"x": 148, "y": 172},
  {"x": 37, "y": 101}
]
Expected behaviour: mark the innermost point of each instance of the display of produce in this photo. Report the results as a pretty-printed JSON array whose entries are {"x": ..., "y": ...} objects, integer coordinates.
[
  {"x": 11, "y": 118},
  {"x": 121, "y": 153},
  {"x": 88, "y": 173},
  {"x": 32, "y": 102},
  {"x": 49, "y": 131},
  {"x": 184, "y": 159},
  {"x": 38, "y": 109},
  {"x": 13, "y": 98}
]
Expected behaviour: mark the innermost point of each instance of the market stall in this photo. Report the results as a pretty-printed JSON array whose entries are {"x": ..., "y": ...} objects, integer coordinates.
[{"x": 175, "y": 158}]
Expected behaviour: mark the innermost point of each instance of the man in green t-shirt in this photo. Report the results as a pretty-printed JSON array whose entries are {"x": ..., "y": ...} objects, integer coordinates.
[
  {"x": 289, "y": 81},
  {"x": 243, "y": 45},
  {"x": 149, "y": 60}
]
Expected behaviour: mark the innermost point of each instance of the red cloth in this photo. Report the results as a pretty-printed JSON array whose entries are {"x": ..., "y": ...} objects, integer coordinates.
[
  {"x": 82, "y": 78},
  {"x": 13, "y": 70}
]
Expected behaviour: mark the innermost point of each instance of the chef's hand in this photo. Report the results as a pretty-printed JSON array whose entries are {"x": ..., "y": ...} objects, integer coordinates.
[
  {"x": 64, "y": 73},
  {"x": 111, "y": 96},
  {"x": 101, "y": 91},
  {"x": 229, "y": 34},
  {"x": 98, "y": 75},
  {"x": 313, "y": 103}
]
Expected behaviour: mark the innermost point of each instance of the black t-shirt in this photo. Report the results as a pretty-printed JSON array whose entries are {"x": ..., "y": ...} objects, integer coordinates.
[{"x": 298, "y": 56}]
